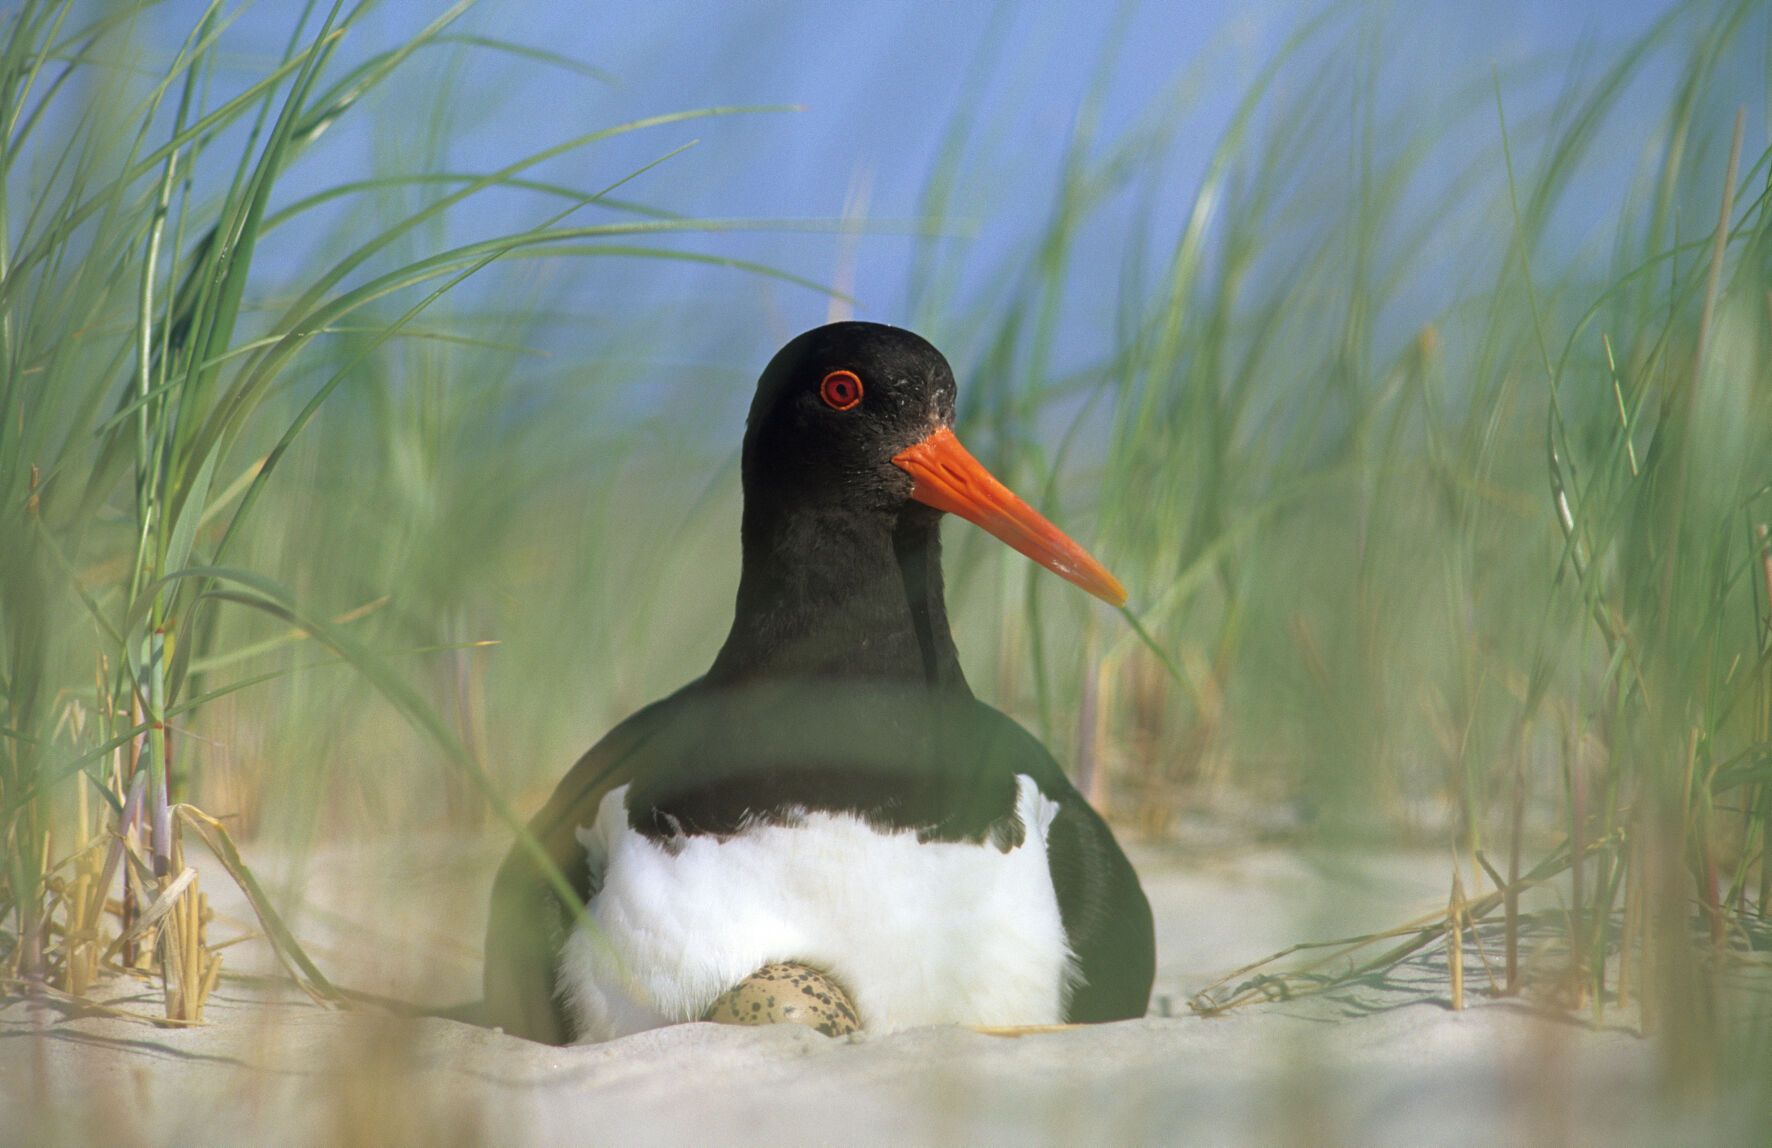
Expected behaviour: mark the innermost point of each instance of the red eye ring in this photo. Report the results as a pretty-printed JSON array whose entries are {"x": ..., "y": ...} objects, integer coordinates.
[{"x": 841, "y": 390}]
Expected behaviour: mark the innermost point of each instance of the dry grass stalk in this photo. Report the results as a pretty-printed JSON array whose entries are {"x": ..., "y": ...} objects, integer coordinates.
[
  {"x": 189, "y": 969},
  {"x": 82, "y": 903},
  {"x": 144, "y": 934},
  {"x": 130, "y": 832},
  {"x": 1630, "y": 935},
  {"x": 1516, "y": 821},
  {"x": 1090, "y": 766},
  {"x": 1652, "y": 899},
  {"x": 1148, "y": 712},
  {"x": 85, "y": 901},
  {"x": 1698, "y": 846},
  {"x": 1455, "y": 914},
  {"x": 1577, "y": 798},
  {"x": 1100, "y": 782},
  {"x": 1311, "y": 979}
]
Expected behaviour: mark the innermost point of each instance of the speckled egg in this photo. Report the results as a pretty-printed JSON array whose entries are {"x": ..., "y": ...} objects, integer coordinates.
[{"x": 787, "y": 994}]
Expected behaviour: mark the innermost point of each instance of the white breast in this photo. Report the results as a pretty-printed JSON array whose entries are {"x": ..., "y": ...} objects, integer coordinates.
[{"x": 918, "y": 933}]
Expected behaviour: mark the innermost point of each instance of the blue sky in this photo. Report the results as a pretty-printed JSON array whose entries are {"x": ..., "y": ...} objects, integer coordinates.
[{"x": 880, "y": 83}]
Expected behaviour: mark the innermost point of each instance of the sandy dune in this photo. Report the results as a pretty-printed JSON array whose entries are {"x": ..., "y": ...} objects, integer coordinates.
[{"x": 1384, "y": 1061}]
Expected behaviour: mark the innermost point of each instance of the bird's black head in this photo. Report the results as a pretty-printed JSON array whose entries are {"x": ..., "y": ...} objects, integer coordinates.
[
  {"x": 835, "y": 407},
  {"x": 852, "y": 424}
]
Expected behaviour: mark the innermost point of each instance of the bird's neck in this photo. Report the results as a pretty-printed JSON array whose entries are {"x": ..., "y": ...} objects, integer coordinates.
[{"x": 830, "y": 593}]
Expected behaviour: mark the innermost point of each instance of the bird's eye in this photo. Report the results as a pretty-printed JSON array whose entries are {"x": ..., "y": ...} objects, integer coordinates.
[{"x": 841, "y": 390}]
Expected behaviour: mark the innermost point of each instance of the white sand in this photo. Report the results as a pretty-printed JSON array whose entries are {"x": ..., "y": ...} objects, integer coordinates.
[{"x": 1383, "y": 1062}]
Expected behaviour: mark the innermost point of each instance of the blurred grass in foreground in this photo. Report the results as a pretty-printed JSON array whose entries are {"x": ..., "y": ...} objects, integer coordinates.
[{"x": 1457, "y": 538}]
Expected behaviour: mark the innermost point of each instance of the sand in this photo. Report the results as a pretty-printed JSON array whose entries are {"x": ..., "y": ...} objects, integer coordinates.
[{"x": 1384, "y": 1061}]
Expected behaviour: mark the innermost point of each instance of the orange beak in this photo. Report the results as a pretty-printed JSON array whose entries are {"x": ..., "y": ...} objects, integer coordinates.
[{"x": 946, "y": 476}]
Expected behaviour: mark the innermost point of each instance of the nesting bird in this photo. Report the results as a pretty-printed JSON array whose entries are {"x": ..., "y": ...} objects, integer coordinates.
[{"x": 830, "y": 796}]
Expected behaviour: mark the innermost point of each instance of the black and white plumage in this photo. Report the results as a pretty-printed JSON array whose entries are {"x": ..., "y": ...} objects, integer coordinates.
[{"x": 830, "y": 792}]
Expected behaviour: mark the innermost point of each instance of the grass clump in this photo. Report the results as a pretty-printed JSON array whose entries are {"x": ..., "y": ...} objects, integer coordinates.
[
  {"x": 157, "y": 378},
  {"x": 1436, "y": 441}
]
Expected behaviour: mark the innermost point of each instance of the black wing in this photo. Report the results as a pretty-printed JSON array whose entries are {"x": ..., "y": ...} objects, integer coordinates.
[
  {"x": 1107, "y": 919},
  {"x": 530, "y": 919}
]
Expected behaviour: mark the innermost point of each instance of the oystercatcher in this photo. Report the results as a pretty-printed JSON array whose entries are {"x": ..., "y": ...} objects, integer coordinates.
[{"x": 830, "y": 794}]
